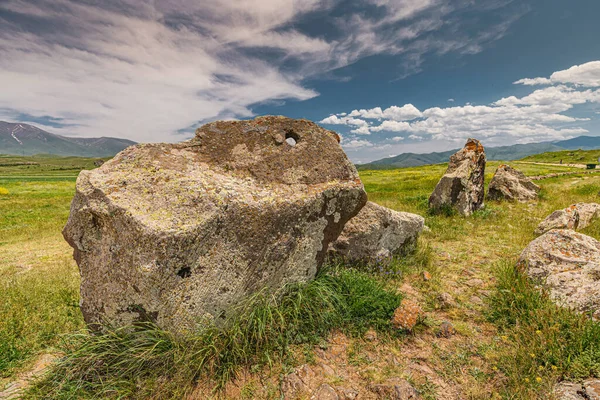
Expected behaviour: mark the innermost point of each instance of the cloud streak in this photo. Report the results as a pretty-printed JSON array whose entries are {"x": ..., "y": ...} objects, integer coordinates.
[{"x": 151, "y": 70}]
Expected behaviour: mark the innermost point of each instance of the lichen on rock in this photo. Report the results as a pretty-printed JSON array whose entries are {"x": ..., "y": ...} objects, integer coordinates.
[{"x": 179, "y": 234}]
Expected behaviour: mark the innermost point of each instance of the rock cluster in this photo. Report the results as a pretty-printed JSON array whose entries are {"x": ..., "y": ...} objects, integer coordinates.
[
  {"x": 567, "y": 263},
  {"x": 576, "y": 216},
  {"x": 376, "y": 234},
  {"x": 461, "y": 187},
  {"x": 178, "y": 234},
  {"x": 510, "y": 184}
]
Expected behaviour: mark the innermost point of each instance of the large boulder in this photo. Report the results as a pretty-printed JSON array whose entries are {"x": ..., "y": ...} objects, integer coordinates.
[
  {"x": 576, "y": 216},
  {"x": 567, "y": 263},
  {"x": 510, "y": 184},
  {"x": 461, "y": 187},
  {"x": 178, "y": 234},
  {"x": 376, "y": 234}
]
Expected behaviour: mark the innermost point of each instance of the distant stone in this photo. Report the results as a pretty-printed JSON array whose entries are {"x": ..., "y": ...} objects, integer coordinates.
[
  {"x": 568, "y": 264},
  {"x": 179, "y": 234},
  {"x": 395, "y": 389},
  {"x": 461, "y": 187},
  {"x": 576, "y": 217},
  {"x": 376, "y": 234},
  {"x": 510, "y": 184},
  {"x": 407, "y": 315}
]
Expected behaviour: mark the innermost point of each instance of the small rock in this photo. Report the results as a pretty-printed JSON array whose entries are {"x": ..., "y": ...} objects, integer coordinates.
[
  {"x": 327, "y": 370},
  {"x": 325, "y": 392},
  {"x": 474, "y": 283},
  {"x": 476, "y": 300},
  {"x": 297, "y": 382},
  {"x": 395, "y": 389},
  {"x": 446, "y": 330},
  {"x": 569, "y": 391},
  {"x": 592, "y": 388},
  {"x": 347, "y": 393},
  {"x": 461, "y": 187},
  {"x": 370, "y": 335},
  {"x": 407, "y": 315},
  {"x": 426, "y": 276},
  {"x": 576, "y": 217},
  {"x": 446, "y": 300}
]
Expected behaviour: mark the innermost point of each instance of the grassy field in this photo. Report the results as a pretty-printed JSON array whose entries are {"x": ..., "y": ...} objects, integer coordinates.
[
  {"x": 567, "y": 157},
  {"x": 510, "y": 341}
]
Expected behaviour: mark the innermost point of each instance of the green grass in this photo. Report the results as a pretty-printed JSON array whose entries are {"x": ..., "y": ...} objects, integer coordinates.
[
  {"x": 146, "y": 361},
  {"x": 39, "y": 289},
  {"x": 567, "y": 157},
  {"x": 541, "y": 342}
]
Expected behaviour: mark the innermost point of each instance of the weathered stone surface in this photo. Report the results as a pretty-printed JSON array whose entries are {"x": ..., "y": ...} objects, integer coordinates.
[
  {"x": 510, "y": 184},
  {"x": 576, "y": 216},
  {"x": 461, "y": 187},
  {"x": 376, "y": 234},
  {"x": 395, "y": 389},
  {"x": 592, "y": 388},
  {"x": 406, "y": 315},
  {"x": 569, "y": 391},
  {"x": 179, "y": 233},
  {"x": 568, "y": 264},
  {"x": 325, "y": 392}
]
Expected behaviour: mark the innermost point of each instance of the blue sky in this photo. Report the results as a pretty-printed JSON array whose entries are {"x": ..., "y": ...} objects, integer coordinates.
[{"x": 391, "y": 76}]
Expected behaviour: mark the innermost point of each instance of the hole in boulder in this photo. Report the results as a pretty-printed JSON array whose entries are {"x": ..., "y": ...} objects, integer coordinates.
[
  {"x": 291, "y": 138},
  {"x": 185, "y": 272}
]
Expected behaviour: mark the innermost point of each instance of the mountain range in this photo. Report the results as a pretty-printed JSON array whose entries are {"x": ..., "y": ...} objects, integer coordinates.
[
  {"x": 25, "y": 139},
  {"x": 505, "y": 153}
]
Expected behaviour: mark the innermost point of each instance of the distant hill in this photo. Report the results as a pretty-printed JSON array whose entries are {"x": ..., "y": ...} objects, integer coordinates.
[
  {"x": 25, "y": 139},
  {"x": 506, "y": 153}
]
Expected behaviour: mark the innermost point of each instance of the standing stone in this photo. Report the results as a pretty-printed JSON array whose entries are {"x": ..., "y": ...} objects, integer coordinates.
[
  {"x": 376, "y": 234},
  {"x": 568, "y": 264},
  {"x": 510, "y": 184},
  {"x": 179, "y": 234},
  {"x": 461, "y": 187},
  {"x": 576, "y": 216}
]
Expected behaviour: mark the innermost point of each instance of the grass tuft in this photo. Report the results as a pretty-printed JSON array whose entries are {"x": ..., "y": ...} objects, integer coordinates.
[
  {"x": 146, "y": 362},
  {"x": 540, "y": 341}
]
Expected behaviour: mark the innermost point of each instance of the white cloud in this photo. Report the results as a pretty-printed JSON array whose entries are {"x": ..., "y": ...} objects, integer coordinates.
[
  {"x": 397, "y": 139},
  {"x": 357, "y": 144},
  {"x": 363, "y": 130},
  {"x": 145, "y": 70},
  {"x": 533, "y": 81},
  {"x": 538, "y": 116},
  {"x": 587, "y": 74},
  {"x": 451, "y": 100}
]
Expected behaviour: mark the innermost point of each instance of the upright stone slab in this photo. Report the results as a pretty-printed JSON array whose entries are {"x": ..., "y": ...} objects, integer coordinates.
[
  {"x": 178, "y": 234},
  {"x": 461, "y": 187},
  {"x": 511, "y": 184}
]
